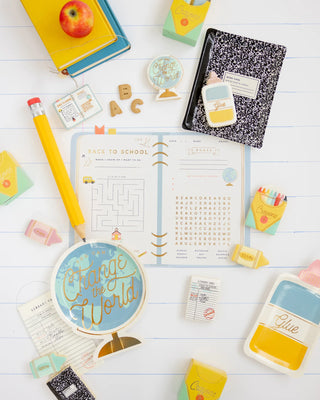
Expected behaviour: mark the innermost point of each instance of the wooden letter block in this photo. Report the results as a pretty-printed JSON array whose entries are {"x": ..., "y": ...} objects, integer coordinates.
[
  {"x": 114, "y": 109},
  {"x": 134, "y": 104},
  {"x": 125, "y": 91}
]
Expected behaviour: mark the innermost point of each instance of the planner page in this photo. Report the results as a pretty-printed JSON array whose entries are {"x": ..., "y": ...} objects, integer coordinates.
[
  {"x": 117, "y": 184},
  {"x": 202, "y": 200},
  {"x": 178, "y": 199}
]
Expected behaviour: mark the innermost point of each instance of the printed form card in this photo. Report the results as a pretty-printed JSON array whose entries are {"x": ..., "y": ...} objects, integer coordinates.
[
  {"x": 179, "y": 198},
  {"x": 202, "y": 298},
  {"x": 50, "y": 334}
]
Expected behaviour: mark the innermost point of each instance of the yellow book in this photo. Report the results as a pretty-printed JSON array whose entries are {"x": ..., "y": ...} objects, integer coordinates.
[{"x": 64, "y": 49}]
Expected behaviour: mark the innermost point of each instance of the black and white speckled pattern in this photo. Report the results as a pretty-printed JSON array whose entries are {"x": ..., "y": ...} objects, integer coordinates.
[
  {"x": 64, "y": 380},
  {"x": 249, "y": 57}
]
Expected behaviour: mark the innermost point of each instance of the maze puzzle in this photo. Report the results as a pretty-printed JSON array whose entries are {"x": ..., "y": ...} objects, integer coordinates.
[{"x": 118, "y": 203}]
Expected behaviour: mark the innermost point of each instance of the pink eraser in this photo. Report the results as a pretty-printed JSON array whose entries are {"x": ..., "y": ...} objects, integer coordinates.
[
  {"x": 311, "y": 275},
  {"x": 42, "y": 233}
]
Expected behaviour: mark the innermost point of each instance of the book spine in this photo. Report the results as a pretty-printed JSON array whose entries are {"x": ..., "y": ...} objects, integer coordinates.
[
  {"x": 120, "y": 46},
  {"x": 160, "y": 237}
]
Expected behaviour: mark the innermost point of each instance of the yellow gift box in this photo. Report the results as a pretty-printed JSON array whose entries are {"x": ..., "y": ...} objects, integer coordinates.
[
  {"x": 265, "y": 217},
  {"x": 202, "y": 382},
  {"x": 185, "y": 20},
  {"x": 13, "y": 180}
]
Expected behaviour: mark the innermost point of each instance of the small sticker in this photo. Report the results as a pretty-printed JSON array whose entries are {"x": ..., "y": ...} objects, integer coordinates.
[
  {"x": 242, "y": 85},
  {"x": 70, "y": 390},
  {"x": 77, "y": 106}
]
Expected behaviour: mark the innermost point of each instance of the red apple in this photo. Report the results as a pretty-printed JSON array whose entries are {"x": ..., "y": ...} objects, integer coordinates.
[{"x": 76, "y": 18}]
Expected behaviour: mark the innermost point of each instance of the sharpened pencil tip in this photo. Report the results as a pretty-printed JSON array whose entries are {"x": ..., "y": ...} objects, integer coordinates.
[{"x": 84, "y": 239}]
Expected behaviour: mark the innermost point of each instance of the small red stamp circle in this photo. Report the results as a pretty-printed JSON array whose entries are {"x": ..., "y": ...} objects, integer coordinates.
[
  {"x": 6, "y": 183},
  {"x": 264, "y": 219},
  {"x": 209, "y": 313},
  {"x": 184, "y": 22},
  {"x": 199, "y": 397}
]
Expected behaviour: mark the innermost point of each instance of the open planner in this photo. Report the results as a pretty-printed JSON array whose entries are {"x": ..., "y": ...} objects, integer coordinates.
[{"x": 176, "y": 198}]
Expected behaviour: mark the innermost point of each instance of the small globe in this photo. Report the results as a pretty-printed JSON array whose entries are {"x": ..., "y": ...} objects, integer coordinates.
[
  {"x": 165, "y": 72},
  {"x": 229, "y": 175}
]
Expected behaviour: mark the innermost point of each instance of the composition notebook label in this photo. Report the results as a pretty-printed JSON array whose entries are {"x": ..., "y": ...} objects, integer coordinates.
[{"x": 242, "y": 85}]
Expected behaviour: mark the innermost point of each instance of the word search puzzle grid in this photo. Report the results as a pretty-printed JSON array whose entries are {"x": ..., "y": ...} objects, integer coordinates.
[
  {"x": 217, "y": 208},
  {"x": 288, "y": 159}
]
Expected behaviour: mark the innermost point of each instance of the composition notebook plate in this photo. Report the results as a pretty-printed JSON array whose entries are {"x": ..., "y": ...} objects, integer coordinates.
[
  {"x": 252, "y": 68},
  {"x": 98, "y": 287}
]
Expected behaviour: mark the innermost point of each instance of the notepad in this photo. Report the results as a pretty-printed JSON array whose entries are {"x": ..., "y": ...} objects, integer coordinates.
[
  {"x": 178, "y": 199},
  {"x": 64, "y": 49},
  {"x": 202, "y": 298},
  {"x": 67, "y": 385},
  {"x": 50, "y": 334}
]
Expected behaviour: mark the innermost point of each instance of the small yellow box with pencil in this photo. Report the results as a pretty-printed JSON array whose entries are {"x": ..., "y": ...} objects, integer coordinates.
[
  {"x": 185, "y": 20},
  {"x": 13, "y": 180},
  {"x": 202, "y": 382},
  {"x": 266, "y": 210}
]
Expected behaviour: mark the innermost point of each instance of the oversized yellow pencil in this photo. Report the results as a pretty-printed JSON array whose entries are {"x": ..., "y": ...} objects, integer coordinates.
[{"x": 57, "y": 166}]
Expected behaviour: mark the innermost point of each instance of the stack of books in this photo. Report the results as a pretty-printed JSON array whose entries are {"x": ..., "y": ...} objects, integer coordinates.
[{"x": 73, "y": 56}]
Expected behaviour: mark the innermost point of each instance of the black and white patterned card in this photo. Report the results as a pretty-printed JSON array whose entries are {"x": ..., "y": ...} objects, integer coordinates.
[
  {"x": 252, "y": 68},
  {"x": 67, "y": 385}
]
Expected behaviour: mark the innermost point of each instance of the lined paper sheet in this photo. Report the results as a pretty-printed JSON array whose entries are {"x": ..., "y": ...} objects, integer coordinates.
[
  {"x": 289, "y": 160},
  {"x": 52, "y": 335}
]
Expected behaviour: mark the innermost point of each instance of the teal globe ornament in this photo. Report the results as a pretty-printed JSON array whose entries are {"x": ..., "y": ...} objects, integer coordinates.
[{"x": 164, "y": 74}]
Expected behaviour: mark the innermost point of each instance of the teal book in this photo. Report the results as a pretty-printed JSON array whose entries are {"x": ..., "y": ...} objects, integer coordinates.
[{"x": 120, "y": 46}]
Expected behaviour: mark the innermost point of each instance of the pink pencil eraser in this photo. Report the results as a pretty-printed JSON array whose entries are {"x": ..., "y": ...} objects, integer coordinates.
[
  {"x": 311, "y": 275},
  {"x": 42, "y": 233}
]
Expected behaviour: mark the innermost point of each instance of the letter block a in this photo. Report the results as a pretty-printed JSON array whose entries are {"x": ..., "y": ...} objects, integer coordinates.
[{"x": 114, "y": 109}]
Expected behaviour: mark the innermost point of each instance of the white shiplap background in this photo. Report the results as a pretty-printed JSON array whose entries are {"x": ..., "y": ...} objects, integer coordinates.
[{"x": 289, "y": 159}]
